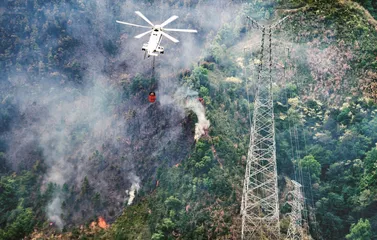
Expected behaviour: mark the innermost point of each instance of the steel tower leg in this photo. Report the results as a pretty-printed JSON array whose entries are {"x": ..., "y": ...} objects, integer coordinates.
[{"x": 297, "y": 203}]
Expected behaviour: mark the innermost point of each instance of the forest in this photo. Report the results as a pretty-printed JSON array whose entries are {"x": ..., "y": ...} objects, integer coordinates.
[{"x": 84, "y": 155}]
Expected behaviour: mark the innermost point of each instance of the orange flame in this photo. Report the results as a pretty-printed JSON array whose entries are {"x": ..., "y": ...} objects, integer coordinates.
[{"x": 102, "y": 223}]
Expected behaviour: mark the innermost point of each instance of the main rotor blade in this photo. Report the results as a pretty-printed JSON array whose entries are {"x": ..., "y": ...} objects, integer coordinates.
[
  {"x": 169, "y": 37},
  {"x": 143, "y": 34},
  {"x": 131, "y": 24},
  {"x": 180, "y": 30},
  {"x": 171, "y": 19},
  {"x": 145, "y": 18}
]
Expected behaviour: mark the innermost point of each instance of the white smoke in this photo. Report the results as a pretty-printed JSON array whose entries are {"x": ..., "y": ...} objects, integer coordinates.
[
  {"x": 70, "y": 124},
  {"x": 54, "y": 211},
  {"x": 188, "y": 99},
  {"x": 134, "y": 187},
  {"x": 203, "y": 122}
]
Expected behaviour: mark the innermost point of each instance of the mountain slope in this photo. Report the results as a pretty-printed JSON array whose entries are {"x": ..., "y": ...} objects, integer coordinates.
[{"x": 78, "y": 133}]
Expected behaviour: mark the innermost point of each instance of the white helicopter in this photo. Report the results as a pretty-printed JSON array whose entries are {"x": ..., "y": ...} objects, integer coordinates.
[{"x": 152, "y": 48}]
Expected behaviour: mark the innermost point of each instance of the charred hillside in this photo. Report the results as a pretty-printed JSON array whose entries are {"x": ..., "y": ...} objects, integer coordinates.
[{"x": 79, "y": 139}]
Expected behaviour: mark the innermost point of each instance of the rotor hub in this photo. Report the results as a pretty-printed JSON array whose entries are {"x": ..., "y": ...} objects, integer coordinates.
[{"x": 157, "y": 27}]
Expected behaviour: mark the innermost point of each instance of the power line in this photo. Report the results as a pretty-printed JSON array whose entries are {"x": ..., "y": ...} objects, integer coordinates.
[{"x": 300, "y": 176}]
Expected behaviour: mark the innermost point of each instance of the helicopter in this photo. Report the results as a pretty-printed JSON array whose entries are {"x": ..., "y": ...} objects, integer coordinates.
[{"x": 153, "y": 47}]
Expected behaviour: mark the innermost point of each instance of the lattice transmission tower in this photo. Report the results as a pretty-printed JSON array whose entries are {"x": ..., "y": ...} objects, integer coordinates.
[
  {"x": 296, "y": 201},
  {"x": 260, "y": 203}
]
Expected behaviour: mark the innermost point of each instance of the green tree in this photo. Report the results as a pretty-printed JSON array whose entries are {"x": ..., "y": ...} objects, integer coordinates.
[
  {"x": 85, "y": 187},
  {"x": 227, "y": 35},
  {"x": 203, "y": 92},
  {"x": 344, "y": 116},
  {"x": 369, "y": 180},
  {"x": 158, "y": 236},
  {"x": 311, "y": 165},
  {"x": 21, "y": 226},
  {"x": 352, "y": 145},
  {"x": 199, "y": 78},
  {"x": 173, "y": 203},
  {"x": 8, "y": 197},
  {"x": 360, "y": 231},
  {"x": 217, "y": 52}
]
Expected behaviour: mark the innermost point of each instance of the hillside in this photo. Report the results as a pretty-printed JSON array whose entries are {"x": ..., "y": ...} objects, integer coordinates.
[{"x": 80, "y": 143}]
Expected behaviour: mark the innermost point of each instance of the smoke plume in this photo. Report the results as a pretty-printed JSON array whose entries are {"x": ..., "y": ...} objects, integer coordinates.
[{"x": 93, "y": 140}]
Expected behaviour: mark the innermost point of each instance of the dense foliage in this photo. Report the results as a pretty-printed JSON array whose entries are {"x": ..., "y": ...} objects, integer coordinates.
[{"x": 328, "y": 146}]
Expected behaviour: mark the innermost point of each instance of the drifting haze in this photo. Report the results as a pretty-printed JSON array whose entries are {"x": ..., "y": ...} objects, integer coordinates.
[
  {"x": 83, "y": 131},
  {"x": 81, "y": 125}
]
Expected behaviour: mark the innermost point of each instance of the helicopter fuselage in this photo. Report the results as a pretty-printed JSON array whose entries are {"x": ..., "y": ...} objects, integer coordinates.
[{"x": 153, "y": 46}]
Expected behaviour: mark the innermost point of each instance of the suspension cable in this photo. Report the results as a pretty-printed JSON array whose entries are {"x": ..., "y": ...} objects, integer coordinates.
[
  {"x": 300, "y": 175},
  {"x": 289, "y": 124},
  {"x": 294, "y": 140},
  {"x": 310, "y": 188},
  {"x": 247, "y": 94},
  {"x": 153, "y": 67}
]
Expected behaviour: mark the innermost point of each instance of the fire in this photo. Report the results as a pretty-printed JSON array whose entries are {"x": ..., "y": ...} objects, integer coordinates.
[
  {"x": 93, "y": 225},
  {"x": 102, "y": 223}
]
